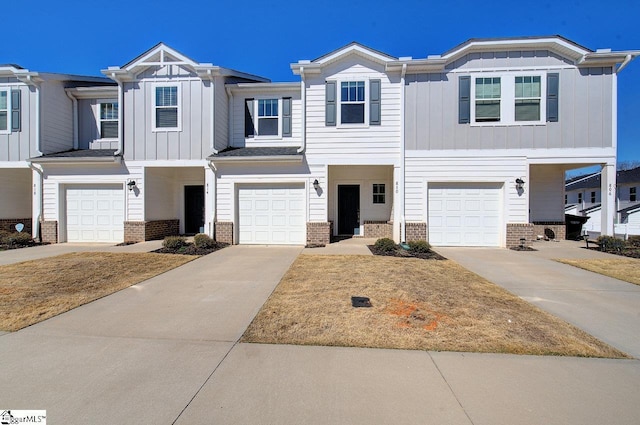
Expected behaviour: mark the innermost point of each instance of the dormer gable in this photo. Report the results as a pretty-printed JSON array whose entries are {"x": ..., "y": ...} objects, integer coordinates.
[{"x": 353, "y": 48}]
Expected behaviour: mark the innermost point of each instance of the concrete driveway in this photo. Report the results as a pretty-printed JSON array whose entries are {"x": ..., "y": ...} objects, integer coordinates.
[
  {"x": 165, "y": 351},
  {"x": 607, "y": 308}
]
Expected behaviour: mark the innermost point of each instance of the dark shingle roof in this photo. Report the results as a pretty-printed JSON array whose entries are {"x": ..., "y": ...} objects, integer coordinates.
[
  {"x": 82, "y": 153},
  {"x": 257, "y": 152},
  {"x": 593, "y": 181}
]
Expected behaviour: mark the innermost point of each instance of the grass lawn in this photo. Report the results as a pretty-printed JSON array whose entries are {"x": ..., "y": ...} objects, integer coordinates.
[
  {"x": 623, "y": 269},
  {"x": 416, "y": 304},
  {"x": 33, "y": 291}
]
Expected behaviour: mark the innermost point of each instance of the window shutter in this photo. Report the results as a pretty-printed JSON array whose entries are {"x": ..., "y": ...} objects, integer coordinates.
[
  {"x": 286, "y": 117},
  {"x": 552, "y": 97},
  {"x": 464, "y": 100},
  {"x": 374, "y": 102},
  {"x": 248, "y": 118},
  {"x": 330, "y": 111},
  {"x": 15, "y": 110}
]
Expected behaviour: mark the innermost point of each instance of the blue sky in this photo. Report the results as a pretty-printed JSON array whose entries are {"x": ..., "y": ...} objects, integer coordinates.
[{"x": 264, "y": 37}]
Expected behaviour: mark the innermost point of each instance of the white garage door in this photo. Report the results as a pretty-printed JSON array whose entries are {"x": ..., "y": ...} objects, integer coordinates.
[
  {"x": 272, "y": 214},
  {"x": 95, "y": 213},
  {"x": 465, "y": 214}
]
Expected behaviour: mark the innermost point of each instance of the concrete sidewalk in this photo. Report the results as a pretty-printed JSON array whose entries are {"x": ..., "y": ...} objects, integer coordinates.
[
  {"x": 13, "y": 256},
  {"x": 607, "y": 308}
]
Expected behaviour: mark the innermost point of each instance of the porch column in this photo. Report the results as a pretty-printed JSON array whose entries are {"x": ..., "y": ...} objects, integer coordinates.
[
  {"x": 608, "y": 198},
  {"x": 36, "y": 203},
  {"x": 398, "y": 209},
  {"x": 209, "y": 200}
]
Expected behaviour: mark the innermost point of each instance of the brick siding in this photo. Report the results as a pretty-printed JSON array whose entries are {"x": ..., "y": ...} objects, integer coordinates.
[
  {"x": 134, "y": 231},
  {"x": 517, "y": 231},
  {"x": 224, "y": 232},
  {"x": 9, "y": 224},
  {"x": 318, "y": 233},
  {"x": 378, "y": 229},
  {"x": 49, "y": 231},
  {"x": 158, "y": 229},
  {"x": 558, "y": 227},
  {"x": 415, "y": 232}
]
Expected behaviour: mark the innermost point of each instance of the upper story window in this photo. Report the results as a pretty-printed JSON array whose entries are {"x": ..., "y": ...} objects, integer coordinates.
[
  {"x": 268, "y": 117},
  {"x": 108, "y": 120},
  {"x": 9, "y": 110},
  {"x": 593, "y": 197},
  {"x": 167, "y": 107},
  {"x": 632, "y": 194},
  {"x": 352, "y": 102},
  {"x": 566, "y": 199},
  {"x": 488, "y": 93},
  {"x": 580, "y": 197},
  {"x": 510, "y": 98}
]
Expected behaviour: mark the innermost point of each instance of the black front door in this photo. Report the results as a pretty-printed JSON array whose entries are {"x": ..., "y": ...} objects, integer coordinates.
[
  {"x": 193, "y": 209},
  {"x": 348, "y": 208}
]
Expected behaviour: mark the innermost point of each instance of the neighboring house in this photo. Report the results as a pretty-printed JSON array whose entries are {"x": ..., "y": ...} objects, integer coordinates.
[
  {"x": 465, "y": 148},
  {"x": 583, "y": 194},
  {"x": 36, "y": 118}
]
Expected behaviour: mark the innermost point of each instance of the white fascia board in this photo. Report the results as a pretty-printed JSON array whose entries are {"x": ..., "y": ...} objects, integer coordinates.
[
  {"x": 352, "y": 49},
  {"x": 533, "y": 156},
  {"x": 418, "y": 65},
  {"x": 254, "y": 159},
  {"x": 263, "y": 87},
  {"x": 552, "y": 43},
  {"x": 607, "y": 58},
  {"x": 93, "y": 92},
  {"x": 13, "y": 164},
  {"x": 77, "y": 161}
]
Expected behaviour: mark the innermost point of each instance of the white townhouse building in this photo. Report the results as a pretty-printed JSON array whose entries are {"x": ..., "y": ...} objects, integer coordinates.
[{"x": 464, "y": 148}]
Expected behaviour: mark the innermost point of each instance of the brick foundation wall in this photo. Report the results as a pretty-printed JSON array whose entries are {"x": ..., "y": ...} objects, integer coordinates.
[
  {"x": 319, "y": 233},
  {"x": 378, "y": 229},
  {"x": 224, "y": 232},
  {"x": 134, "y": 231},
  {"x": 415, "y": 232},
  {"x": 517, "y": 231},
  {"x": 558, "y": 227},
  {"x": 49, "y": 231},
  {"x": 158, "y": 229},
  {"x": 9, "y": 224}
]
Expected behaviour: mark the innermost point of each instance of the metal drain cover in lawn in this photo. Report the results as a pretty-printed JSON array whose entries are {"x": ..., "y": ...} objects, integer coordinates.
[{"x": 360, "y": 302}]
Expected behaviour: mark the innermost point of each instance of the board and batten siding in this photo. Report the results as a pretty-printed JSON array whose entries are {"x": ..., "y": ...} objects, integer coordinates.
[
  {"x": 88, "y": 126},
  {"x": 20, "y": 145},
  {"x": 422, "y": 170},
  {"x": 355, "y": 144},
  {"x": 192, "y": 141},
  {"x": 585, "y": 110},
  {"x": 56, "y": 127},
  {"x": 221, "y": 116},
  {"x": 238, "y": 110}
]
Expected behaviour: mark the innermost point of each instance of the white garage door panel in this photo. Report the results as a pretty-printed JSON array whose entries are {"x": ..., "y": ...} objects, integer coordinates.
[
  {"x": 271, "y": 215},
  {"x": 95, "y": 213},
  {"x": 465, "y": 214}
]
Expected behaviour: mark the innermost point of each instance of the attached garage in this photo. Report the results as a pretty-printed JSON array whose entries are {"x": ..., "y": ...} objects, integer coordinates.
[
  {"x": 272, "y": 214},
  {"x": 465, "y": 214},
  {"x": 95, "y": 213}
]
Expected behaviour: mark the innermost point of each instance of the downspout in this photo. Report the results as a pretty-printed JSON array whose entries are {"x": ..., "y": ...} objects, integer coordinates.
[
  {"x": 120, "y": 150},
  {"x": 214, "y": 194},
  {"x": 624, "y": 63},
  {"x": 403, "y": 236},
  {"x": 214, "y": 151},
  {"x": 38, "y": 193},
  {"x": 303, "y": 112},
  {"x": 74, "y": 100},
  {"x": 38, "y": 117}
]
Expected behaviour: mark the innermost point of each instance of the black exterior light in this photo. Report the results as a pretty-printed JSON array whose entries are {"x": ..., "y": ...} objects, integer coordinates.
[{"x": 131, "y": 184}]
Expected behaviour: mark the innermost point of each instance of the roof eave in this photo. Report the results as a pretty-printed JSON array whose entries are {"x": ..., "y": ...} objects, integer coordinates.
[
  {"x": 78, "y": 160},
  {"x": 262, "y": 158}
]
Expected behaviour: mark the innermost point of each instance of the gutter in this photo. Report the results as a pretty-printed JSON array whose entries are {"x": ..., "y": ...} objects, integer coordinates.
[
  {"x": 624, "y": 63},
  {"x": 273, "y": 158},
  {"x": 303, "y": 112},
  {"x": 68, "y": 160},
  {"x": 74, "y": 100}
]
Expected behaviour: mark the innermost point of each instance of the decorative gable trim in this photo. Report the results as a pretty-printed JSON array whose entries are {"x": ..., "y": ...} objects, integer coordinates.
[{"x": 353, "y": 48}]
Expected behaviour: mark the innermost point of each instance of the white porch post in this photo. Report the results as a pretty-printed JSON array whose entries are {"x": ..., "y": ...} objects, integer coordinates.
[
  {"x": 36, "y": 203},
  {"x": 209, "y": 200},
  {"x": 608, "y": 191},
  {"x": 397, "y": 206}
]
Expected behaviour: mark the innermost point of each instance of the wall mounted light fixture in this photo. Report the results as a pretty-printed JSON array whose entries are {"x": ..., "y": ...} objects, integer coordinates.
[
  {"x": 131, "y": 184},
  {"x": 316, "y": 184},
  {"x": 519, "y": 183}
]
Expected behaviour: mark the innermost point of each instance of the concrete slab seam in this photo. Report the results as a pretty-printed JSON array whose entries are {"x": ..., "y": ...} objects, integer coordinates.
[{"x": 450, "y": 388}]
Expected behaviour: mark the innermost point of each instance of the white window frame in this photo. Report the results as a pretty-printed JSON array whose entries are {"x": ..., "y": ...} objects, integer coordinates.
[
  {"x": 508, "y": 98},
  {"x": 99, "y": 119},
  {"x": 154, "y": 86},
  {"x": 339, "y": 122},
  {"x": 8, "y": 110},
  {"x": 256, "y": 118}
]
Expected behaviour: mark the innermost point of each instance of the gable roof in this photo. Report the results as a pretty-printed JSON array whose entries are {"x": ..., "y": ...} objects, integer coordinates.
[
  {"x": 163, "y": 55},
  {"x": 353, "y": 48}
]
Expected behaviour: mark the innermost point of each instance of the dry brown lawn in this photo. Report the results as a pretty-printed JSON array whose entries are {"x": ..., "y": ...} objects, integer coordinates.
[
  {"x": 627, "y": 269},
  {"x": 33, "y": 291},
  {"x": 416, "y": 304}
]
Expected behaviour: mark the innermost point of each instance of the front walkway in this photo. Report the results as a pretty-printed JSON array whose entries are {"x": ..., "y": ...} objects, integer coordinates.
[{"x": 607, "y": 308}]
